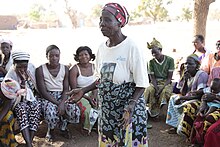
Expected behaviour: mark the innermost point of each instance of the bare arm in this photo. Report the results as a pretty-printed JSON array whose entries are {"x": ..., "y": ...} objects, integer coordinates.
[
  {"x": 65, "y": 84},
  {"x": 73, "y": 74},
  {"x": 169, "y": 78},
  {"x": 153, "y": 81},
  {"x": 7, "y": 103},
  {"x": 2, "y": 70},
  {"x": 42, "y": 87}
]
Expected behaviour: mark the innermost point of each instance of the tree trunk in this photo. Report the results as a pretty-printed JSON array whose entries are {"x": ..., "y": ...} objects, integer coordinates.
[{"x": 200, "y": 13}]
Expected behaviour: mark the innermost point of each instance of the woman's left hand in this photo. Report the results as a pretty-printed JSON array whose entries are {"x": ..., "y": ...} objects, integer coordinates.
[
  {"x": 61, "y": 109},
  {"x": 127, "y": 115},
  {"x": 209, "y": 97}
]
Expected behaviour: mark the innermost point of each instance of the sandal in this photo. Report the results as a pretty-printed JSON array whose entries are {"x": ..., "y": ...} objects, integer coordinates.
[
  {"x": 49, "y": 138},
  {"x": 149, "y": 126},
  {"x": 172, "y": 131}
]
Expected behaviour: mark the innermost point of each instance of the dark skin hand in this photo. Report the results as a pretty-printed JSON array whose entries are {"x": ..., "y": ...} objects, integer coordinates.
[
  {"x": 2, "y": 70},
  {"x": 157, "y": 89},
  {"x": 77, "y": 94},
  {"x": 128, "y": 111}
]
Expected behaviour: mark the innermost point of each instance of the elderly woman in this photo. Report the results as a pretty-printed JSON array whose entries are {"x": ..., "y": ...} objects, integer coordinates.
[
  {"x": 5, "y": 57},
  {"x": 26, "y": 107},
  {"x": 160, "y": 70},
  {"x": 52, "y": 82},
  {"x": 82, "y": 75},
  {"x": 193, "y": 79},
  {"x": 123, "y": 116}
]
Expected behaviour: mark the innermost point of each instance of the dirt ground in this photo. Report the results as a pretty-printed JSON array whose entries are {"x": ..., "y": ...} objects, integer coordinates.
[{"x": 158, "y": 137}]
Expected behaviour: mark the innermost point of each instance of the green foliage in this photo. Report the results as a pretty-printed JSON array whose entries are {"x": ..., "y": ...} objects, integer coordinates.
[
  {"x": 36, "y": 12},
  {"x": 154, "y": 9},
  {"x": 96, "y": 11},
  {"x": 187, "y": 14}
]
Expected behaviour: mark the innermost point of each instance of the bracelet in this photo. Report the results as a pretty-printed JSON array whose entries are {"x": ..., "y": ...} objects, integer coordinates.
[{"x": 132, "y": 100}]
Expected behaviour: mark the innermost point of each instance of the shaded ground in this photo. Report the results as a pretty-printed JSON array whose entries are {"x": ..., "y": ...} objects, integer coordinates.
[{"x": 157, "y": 135}]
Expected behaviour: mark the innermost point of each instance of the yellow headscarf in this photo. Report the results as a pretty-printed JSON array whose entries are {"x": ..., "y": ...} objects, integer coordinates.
[{"x": 154, "y": 43}]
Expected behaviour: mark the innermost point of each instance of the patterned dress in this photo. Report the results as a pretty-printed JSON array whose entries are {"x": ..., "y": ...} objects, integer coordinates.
[
  {"x": 119, "y": 77},
  {"x": 113, "y": 99},
  {"x": 7, "y": 137}
]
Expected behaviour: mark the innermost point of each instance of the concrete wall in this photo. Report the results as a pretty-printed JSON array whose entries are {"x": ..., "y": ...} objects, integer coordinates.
[{"x": 8, "y": 22}]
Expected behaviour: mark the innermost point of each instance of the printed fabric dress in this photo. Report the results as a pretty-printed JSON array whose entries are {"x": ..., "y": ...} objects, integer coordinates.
[
  {"x": 113, "y": 99},
  {"x": 7, "y": 137}
]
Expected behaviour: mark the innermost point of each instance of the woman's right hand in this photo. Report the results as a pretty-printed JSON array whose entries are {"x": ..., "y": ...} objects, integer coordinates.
[
  {"x": 177, "y": 101},
  {"x": 186, "y": 75},
  {"x": 75, "y": 95}
]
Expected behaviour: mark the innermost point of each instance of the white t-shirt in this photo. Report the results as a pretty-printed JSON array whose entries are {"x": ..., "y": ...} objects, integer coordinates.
[{"x": 122, "y": 63}]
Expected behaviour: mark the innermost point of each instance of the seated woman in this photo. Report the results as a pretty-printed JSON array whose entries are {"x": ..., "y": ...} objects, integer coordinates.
[
  {"x": 82, "y": 75},
  {"x": 7, "y": 137},
  {"x": 5, "y": 57},
  {"x": 52, "y": 83},
  {"x": 193, "y": 79},
  {"x": 160, "y": 70},
  {"x": 27, "y": 108}
]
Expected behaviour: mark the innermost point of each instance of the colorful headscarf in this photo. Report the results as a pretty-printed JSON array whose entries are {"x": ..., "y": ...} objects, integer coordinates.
[
  {"x": 154, "y": 43},
  {"x": 195, "y": 57},
  {"x": 20, "y": 56},
  {"x": 10, "y": 88},
  {"x": 120, "y": 12}
]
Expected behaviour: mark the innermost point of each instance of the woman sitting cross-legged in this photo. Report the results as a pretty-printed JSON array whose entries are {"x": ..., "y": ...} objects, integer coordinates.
[
  {"x": 82, "y": 75},
  {"x": 52, "y": 82},
  {"x": 26, "y": 107}
]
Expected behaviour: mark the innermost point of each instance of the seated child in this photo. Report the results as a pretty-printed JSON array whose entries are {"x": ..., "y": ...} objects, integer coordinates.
[{"x": 211, "y": 98}]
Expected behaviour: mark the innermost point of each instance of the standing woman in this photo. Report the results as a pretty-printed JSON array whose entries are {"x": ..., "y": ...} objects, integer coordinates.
[
  {"x": 27, "y": 107},
  {"x": 52, "y": 82},
  {"x": 82, "y": 75},
  {"x": 123, "y": 117}
]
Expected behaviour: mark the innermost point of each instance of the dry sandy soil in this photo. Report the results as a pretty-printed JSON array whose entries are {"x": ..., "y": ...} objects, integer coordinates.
[{"x": 158, "y": 137}]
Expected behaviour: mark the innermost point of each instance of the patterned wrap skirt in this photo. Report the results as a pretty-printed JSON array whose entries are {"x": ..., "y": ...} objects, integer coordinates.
[
  {"x": 50, "y": 111},
  {"x": 113, "y": 99},
  {"x": 7, "y": 137},
  {"x": 189, "y": 115}
]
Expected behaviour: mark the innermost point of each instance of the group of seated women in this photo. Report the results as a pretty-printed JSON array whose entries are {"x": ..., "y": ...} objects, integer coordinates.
[
  {"x": 197, "y": 104},
  {"x": 30, "y": 94}
]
